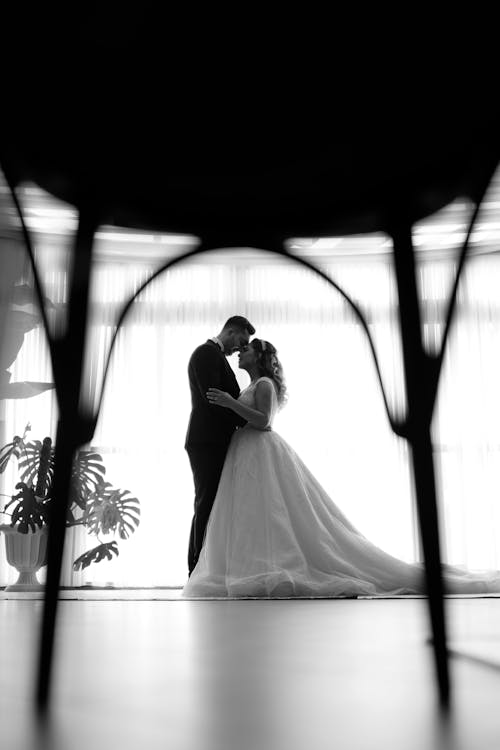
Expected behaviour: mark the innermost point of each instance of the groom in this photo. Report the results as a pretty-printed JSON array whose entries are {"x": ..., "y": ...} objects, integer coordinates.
[{"x": 210, "y": 426}]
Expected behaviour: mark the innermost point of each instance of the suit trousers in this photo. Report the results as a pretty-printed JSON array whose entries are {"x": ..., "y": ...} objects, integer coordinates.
[{"x": 207, "y": 461}]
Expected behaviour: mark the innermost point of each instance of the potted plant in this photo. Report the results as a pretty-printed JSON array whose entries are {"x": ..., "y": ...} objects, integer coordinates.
[{"x": 93, "y": 503}]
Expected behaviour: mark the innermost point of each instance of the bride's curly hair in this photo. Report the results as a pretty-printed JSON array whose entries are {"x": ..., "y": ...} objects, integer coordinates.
[{"x": 270, "y": 366}]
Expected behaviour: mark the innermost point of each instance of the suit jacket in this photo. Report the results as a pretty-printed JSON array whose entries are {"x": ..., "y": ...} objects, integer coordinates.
[{"x": 209, "y": 368}]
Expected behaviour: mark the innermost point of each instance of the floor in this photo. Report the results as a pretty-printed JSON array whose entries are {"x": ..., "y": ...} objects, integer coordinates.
[
  {"x": 250, "y": 675},
  {"x": 103, "y": 593}
]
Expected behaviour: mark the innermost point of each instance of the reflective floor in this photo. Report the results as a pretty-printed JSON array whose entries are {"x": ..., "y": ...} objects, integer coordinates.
[{"x": 252, "y": 675}]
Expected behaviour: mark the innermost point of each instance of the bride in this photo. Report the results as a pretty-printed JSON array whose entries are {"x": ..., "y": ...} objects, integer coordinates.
[{"x": 273, "y": 530}]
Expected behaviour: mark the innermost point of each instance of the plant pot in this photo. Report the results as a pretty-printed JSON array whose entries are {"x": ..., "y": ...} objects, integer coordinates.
[{"x": 27, "y": 553}]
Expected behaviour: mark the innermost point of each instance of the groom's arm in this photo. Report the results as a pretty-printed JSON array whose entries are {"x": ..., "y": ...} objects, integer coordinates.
[
  {"x": 206, "y": 369},
  {"x": 260, "y": 417}
]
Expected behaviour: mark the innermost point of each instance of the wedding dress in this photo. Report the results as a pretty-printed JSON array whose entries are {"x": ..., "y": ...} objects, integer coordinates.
[{"x": 274, "y": 532}]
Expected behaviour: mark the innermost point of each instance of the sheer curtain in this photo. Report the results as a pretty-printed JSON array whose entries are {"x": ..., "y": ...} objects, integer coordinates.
[{"x": 334, "y": 418}]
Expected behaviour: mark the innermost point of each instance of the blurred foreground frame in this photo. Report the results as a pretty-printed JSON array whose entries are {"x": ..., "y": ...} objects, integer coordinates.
[{"x": 258, "y": 183}]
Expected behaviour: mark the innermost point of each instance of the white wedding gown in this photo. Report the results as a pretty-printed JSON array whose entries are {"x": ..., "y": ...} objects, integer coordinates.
[{"x": 274, "y": 532}]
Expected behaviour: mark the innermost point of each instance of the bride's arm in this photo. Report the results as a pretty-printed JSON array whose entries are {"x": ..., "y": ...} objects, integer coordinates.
[{"x": 259, "y": 417}]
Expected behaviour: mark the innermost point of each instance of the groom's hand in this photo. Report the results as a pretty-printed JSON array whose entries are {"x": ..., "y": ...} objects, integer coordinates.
[{"x": 219, "y": 398}]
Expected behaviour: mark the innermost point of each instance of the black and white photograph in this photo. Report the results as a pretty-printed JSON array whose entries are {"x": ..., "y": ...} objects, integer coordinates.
[{"x": 249, "y": 395}]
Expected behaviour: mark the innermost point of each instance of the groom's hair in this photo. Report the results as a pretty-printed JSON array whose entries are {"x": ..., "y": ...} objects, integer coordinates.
[{"x": 240, "y": 323}]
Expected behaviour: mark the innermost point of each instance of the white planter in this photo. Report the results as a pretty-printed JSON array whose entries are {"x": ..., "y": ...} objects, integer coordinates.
[{"x": 27, "y": 553}]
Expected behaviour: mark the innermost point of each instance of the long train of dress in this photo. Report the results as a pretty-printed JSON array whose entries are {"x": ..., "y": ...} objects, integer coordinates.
[{"x": 275, "y": 532}]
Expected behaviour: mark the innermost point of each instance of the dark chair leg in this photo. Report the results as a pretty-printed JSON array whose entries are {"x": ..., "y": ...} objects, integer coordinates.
[
  {"x": 57, "y": 531},
  {"x": 420, "y": 392},
  {"x": 429, "y": 533},
  {"x": 73, "y": 431}
]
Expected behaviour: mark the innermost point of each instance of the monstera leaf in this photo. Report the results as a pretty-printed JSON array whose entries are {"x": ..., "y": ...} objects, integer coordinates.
[
  {"x": 110, "y": 510},
  {"x": 30, "y": 511},
  {"x": 101, "y": 552},
  {"x": 86, "y": 476},
  {"x": 37, "y": 465},
  {"x": 13, "y": 450}
]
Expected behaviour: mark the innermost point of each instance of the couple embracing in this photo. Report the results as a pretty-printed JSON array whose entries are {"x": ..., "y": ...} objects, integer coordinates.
[{"x": 263, "y": 525}]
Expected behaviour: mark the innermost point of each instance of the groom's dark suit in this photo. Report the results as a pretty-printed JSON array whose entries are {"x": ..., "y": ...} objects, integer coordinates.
[{"x": 209, "y": 432}]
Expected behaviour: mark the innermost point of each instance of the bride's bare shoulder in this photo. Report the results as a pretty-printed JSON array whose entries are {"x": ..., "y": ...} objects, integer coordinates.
[
  {"x": 264, "y": 379},
  {"x": 268, "y": 384}
]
